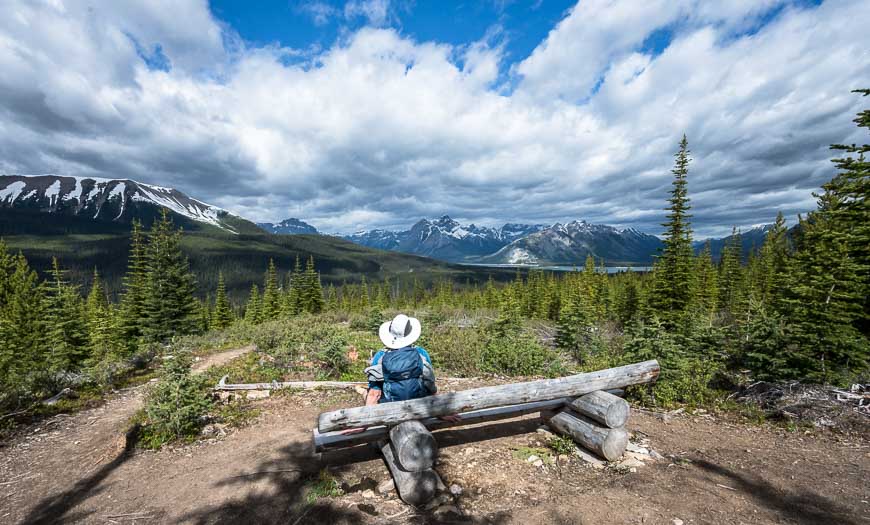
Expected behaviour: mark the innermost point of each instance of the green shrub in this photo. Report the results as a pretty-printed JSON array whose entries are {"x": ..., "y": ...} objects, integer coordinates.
[
  {"x": 561, "y": 445},
  {"x": 518, "y": 355},
  {"x": 176, "y": 406},
  {"x": 332, "y": 357},
  {"x": 325, "y": 486},
  {"x": 454, "y": 350}
]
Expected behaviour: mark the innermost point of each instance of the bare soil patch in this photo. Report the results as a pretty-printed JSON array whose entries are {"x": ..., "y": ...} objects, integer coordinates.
[{"x": 715, "y": 470}]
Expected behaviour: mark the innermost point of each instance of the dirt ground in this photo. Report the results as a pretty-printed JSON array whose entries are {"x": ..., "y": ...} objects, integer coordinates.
[{"x": 81, "y": 469}]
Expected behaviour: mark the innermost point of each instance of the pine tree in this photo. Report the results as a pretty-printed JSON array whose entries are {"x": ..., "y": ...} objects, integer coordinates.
[
  {"x": 674, "y": 271},
  {"x": 222, "y": 316},
  {"x": 707, "y": 283},
  {"x": 67, "y": 336},
  {"x": 850, "y": 212},
  {"x": 170, "y": 306},
  {"x": 253, "y": 309},
  {"x": 294, "y": 297},
  {"x": 769, "y": 272},
  {"x": 22, "y": 328},
  {"x": 573, "y": 330},
  {"x": 732, "y": 298},
  {"x": 271, "y": 308},
  {"x": 100, "y": 321},
  {"x": 131, "y": 316},
  {"x": 312, "y": 292}
]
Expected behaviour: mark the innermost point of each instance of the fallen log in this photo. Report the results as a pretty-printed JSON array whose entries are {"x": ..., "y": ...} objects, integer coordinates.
[
  {"x": 335, "y": 440},
  {"x": 415, "y": 488},
  {"x": 608, "y": 443},
  {"x": 488, "y": 397},
  {"x": 414, "y": 446},
  {"x": 605, "y": 408},
  {"x": 276, "y": 385}
]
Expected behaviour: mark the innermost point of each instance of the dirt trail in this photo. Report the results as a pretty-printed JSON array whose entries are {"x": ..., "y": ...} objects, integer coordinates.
[
  {"x": 717, "y": 471},
  {"x": 70, "y": 455},
  {"x": 220, "y": 358}
]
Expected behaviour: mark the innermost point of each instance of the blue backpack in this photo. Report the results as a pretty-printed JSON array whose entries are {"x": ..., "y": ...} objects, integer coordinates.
[{"x": 405, "y": 375}]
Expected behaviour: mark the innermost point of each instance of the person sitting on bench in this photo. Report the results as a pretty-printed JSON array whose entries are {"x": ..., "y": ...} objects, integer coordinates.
[{"x": 401, "y": 370}]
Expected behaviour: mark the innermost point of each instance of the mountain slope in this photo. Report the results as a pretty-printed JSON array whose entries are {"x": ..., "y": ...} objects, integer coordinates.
[
  {"x": 113, "y": 200},
  {"x": 288, "y": 227},
  {"x": 571, "y": 243}
]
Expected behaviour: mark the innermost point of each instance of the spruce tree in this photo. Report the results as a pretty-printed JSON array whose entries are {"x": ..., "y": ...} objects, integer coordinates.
[
  {"x": 271, "y": 295},
  {"x": 312, "y": 293},
  {"x": 253, "y": 309},
  {"x": 573, "y": 330},
  {"x": 170, "y": 306},
  {"x": 732, "y": 298},
  {"x": 22, "y": 328},
  {"x": 67, "y": 335},
  {"x": 850, "y": 211},
  {"x": 707, "y": 284},
  {"x": 222, "y": 316},
  {"x": 131, "y": 315},
  {"x": 674, "y": 268},
  {"x": 294, "y": 298},
  {"x": 100, "y": 321}
]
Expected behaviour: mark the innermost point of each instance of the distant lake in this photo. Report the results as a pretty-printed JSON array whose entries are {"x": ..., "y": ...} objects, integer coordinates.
[{"x": 579, "y": 268}]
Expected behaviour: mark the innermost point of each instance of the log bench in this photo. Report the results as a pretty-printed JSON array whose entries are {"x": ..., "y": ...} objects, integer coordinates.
[{"x": 583, "y": 407}]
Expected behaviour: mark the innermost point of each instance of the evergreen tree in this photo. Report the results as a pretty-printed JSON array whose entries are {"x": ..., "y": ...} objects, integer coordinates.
[
  {"x": 170, "y": 306},
  {"x": 850, "y": 211},
  {"x": 22, "y": 328},
  {"x": 573, "y": 330},
  {"x": 731, "y": 283},
  {"x": 131, "y": 316},
  {"x": 312, "y": 293},
  {"x": 100, "y": 321},
  {"x": 293, "y": 299},
  {"x": 707, "y": 283},
  {"x": 67, "y": 336},
  {"x": 271, "y": 308},
  {"x": 769, "y": 275},
  {"x": 253, "y": 309},
  {"x": 674, "y": 271},
  {"x": 222, "y": 316}
]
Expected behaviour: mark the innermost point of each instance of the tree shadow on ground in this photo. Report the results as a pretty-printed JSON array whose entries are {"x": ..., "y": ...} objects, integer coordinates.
[
  {"x": 55, "y": 509},
  {"x": 804, "y": 507},
  {"x": 290, "y": 474}
]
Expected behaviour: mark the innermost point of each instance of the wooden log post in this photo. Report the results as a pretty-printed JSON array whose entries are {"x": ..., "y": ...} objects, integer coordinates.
[
  {"x": 414, "y": 446},
  {"x": 607, "y": 409},
  {"x": 488, "y": 397},
  {"x": 608, "y": 443},
  {"x": 415, "y": 488}
]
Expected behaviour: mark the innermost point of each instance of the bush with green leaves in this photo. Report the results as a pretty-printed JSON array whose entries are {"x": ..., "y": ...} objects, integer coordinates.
[
  {"x": 518, "y": 354},
  {"x": 332, "y": 357},
  {"x": 176, "y": 406}
]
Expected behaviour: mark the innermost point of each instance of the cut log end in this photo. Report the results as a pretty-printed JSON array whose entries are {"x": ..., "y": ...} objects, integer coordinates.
[
  {"x": 603, "y": 407},
  {"x": 608, "y": 443},
  {"x": 414, "y": 446}
]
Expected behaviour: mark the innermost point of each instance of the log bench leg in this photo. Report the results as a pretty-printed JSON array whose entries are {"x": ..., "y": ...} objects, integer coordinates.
[
  {"x": 608, "y": 443},
  {"x": 414, "y": 488}
]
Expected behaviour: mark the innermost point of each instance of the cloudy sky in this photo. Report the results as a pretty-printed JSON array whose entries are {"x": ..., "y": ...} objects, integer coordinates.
[{"x": 374, "y": 113}]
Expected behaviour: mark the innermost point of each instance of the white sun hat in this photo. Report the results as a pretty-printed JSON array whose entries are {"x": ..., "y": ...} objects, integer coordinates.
[{"x": 400, "y": 332}]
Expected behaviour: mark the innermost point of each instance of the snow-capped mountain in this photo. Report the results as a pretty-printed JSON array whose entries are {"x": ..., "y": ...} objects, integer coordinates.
[
  {"x": 444, "y": 238},
  {"x": 116, "y": 200},
  {"x": 571, "y": 243},
  {"x": 288, "y": 227}
]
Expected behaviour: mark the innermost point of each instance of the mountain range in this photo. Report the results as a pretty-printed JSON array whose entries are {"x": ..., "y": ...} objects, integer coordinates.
[
  {"x": 93, "y": 204},
  {"x": 113, "y": 200}
]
